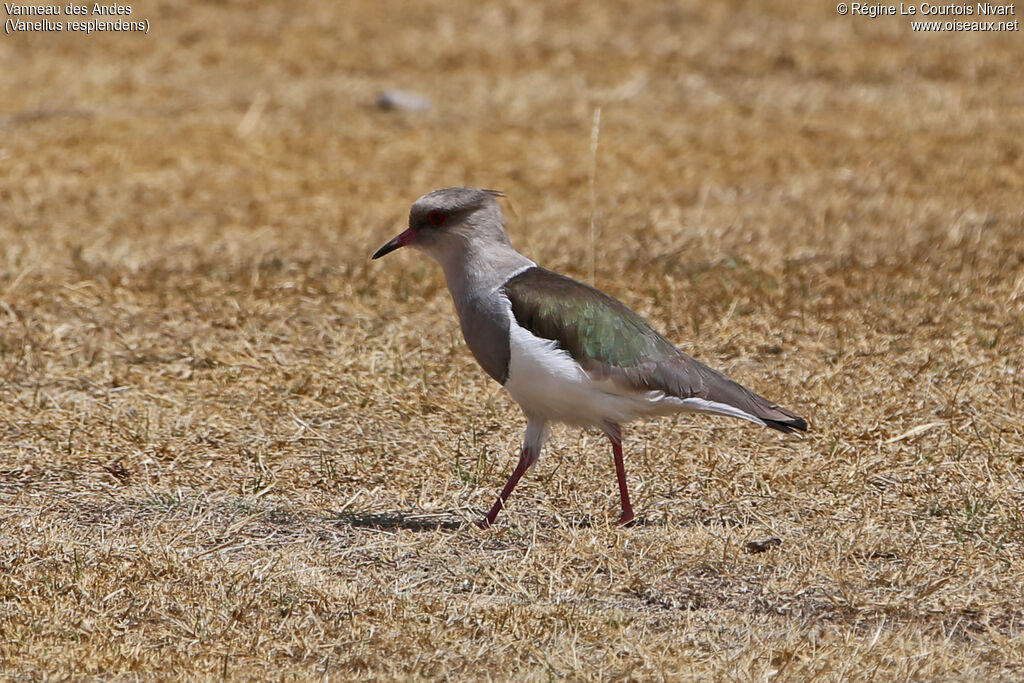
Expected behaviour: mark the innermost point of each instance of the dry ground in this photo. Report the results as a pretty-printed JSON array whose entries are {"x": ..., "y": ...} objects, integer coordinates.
[{"x": 230, "y": 445}]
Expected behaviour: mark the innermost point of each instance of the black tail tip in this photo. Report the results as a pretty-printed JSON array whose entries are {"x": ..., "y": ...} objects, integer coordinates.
[{"x": 788, "y": 426}]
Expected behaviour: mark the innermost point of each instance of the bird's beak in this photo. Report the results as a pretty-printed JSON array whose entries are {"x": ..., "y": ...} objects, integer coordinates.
[{"x": 399, "y": 241}]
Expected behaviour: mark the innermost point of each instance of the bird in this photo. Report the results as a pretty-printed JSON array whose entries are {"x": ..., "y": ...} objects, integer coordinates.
[{"x": 565, "y": 351}]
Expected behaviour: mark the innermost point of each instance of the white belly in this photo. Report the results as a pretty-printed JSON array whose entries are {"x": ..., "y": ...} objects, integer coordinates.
[{"x": 547, "y": 383}]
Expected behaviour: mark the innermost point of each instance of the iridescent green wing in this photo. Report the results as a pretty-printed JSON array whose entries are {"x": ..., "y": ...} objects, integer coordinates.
[
  {"x": 602, "y": 334},
  {"x": 610, "y": 341}
]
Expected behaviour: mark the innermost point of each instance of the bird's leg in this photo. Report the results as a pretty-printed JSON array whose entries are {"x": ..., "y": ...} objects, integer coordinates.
[
  {"x": 525, "y": 460},
  {"x": 614, "y": 434},
  {"x": 536, "y": 433}
]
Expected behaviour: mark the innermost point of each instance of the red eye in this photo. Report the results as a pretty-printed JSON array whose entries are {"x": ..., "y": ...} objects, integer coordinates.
[{"x": 437, "y": 217}]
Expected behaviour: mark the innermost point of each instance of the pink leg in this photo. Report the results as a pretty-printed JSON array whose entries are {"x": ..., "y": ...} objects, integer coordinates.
[
  {"x": 614, "y": 434},
  {"x": 536, "y": 433},
  {"x": 525, "y": 460}
]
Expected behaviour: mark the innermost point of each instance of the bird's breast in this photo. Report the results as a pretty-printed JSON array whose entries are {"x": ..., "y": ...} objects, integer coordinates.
[{"x": 485, "y": 327}]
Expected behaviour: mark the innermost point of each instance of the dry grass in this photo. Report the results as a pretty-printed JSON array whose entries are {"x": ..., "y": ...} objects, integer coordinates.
[{"x": 232, "y": 446}]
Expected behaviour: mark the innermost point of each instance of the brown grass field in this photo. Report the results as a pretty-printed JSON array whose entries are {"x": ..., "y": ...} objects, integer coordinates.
[{"x": 232, "y": 446}]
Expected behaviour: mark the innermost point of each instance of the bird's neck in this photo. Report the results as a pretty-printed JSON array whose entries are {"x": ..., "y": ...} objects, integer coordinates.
[{"x": 480, "y": 270}]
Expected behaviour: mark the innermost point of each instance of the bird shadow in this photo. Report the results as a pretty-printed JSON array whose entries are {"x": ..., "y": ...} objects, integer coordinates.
[
  {"x": 395, "y": 519},
  {"x": 391, "y": 520}
]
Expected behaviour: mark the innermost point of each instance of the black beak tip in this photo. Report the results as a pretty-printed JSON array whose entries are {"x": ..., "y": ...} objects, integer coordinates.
[
  {"x": 398, "y": 242},
  {"x": 386, "y": 249}
]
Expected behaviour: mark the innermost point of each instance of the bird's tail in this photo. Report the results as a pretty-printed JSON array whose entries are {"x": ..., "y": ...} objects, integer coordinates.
[
  {"x": 729, "y": 392},
  {"x": 706, "y": 390},
  {"x": 789, "y": 425}
]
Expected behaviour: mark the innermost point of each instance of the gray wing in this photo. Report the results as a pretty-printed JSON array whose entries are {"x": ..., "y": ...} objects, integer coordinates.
[{"x": 610, "y": 341}]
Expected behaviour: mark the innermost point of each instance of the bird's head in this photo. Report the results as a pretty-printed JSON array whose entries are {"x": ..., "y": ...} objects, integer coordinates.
[{"x": 449, "y": 220}]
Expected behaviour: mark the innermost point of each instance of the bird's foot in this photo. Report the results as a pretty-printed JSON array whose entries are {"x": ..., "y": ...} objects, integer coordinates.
[{"x": 625, "y": 519}]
